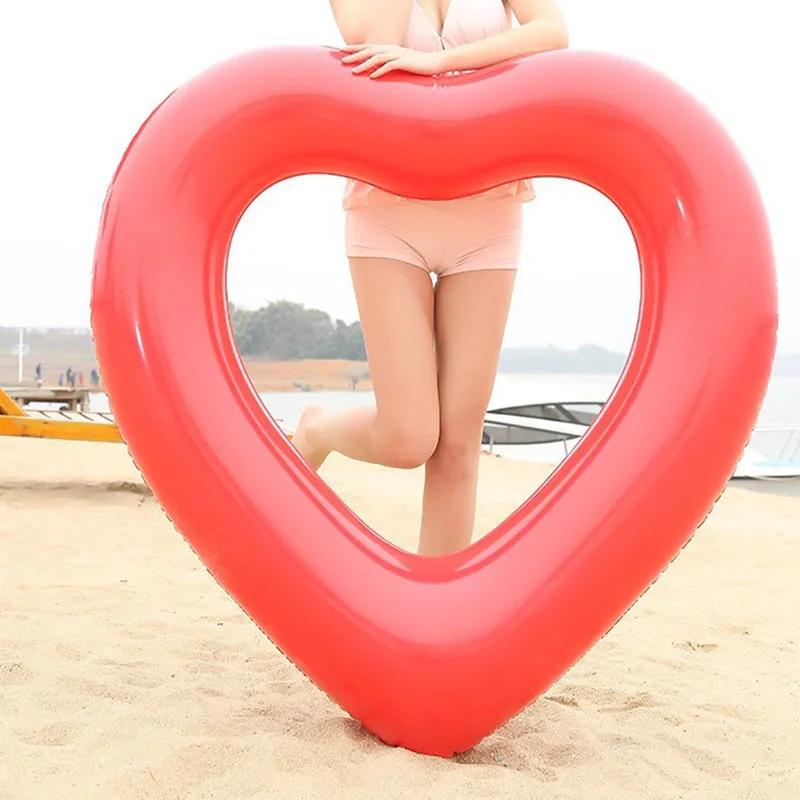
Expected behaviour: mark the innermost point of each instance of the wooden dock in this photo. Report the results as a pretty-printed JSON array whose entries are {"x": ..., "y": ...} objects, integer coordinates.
[{"x": 64, "y": 397}]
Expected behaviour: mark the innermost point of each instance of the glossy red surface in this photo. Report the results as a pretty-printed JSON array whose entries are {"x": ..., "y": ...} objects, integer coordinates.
[{"x": 435, "y": 654}]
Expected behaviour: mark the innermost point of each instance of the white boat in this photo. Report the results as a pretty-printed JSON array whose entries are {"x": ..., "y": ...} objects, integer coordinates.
[
  {"x": 546, "y": 432},
  {"x": 772, "y": 454}
]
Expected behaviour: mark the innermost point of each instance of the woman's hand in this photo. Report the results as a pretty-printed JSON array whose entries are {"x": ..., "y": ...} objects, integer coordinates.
[{"x": 380, "y": 59}]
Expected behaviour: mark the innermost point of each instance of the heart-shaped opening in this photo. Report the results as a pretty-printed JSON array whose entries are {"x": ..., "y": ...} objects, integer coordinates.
[{"x": 570, "y": 327}]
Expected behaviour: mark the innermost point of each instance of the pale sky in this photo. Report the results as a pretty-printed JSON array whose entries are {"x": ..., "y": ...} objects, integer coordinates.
[{"x": 79, "y": 77}]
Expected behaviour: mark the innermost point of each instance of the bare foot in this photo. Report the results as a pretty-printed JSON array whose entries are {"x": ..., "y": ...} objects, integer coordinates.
[{"x": 305, "y": 438}]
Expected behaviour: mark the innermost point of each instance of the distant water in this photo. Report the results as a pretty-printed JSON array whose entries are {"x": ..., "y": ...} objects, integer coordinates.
[{"x": 781, "y": 405}]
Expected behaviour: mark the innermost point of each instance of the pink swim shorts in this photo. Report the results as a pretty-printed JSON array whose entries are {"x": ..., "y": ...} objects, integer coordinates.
[{"x": 443, "y": 237}]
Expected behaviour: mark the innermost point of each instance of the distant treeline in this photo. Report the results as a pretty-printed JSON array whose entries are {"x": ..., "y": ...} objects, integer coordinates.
[
  {"x": 284, "y": 331},
  {"x": 588, "y": 359},
  {"x": 591, "y": 359}
]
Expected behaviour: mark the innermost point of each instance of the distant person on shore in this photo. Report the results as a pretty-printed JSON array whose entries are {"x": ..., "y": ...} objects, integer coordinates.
[
  {"x": 37, "y": 374},
  {"x": 80, "y": 379},
  {"x": 60, "y": 378},
  {"x": 95, "y": 378},
  {"x": 70, "y": 378}
]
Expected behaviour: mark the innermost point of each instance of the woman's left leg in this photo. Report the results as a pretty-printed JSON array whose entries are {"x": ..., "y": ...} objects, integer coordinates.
[{"x": 471, "y": 309}]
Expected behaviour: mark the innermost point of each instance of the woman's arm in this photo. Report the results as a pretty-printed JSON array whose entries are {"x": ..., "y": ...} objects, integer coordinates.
[
  {"x": 541, "y": 28},
  {"x": 374, "y": 21}
]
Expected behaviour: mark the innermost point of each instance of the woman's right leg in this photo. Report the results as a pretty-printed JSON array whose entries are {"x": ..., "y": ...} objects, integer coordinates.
[{"x": 395, "y": 304}]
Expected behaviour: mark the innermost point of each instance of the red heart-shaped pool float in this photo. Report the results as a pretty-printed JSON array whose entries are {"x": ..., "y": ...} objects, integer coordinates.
[{"x": 435, "y": 654}]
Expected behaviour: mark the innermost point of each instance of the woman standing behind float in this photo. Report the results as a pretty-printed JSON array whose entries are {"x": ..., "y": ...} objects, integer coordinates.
[{"x": 432, "y": 348}]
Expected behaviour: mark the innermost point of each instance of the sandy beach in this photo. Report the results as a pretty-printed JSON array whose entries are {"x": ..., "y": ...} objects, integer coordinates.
[
  {"x": 308, "y": 374},
  {"x": 126, "y": 672}
]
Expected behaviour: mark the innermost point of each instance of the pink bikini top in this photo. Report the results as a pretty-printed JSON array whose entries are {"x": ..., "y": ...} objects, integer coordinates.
[{"x": 466, "y": 21}]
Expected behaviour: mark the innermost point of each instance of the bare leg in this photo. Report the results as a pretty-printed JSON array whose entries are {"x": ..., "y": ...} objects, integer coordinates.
[
  {"x": 395, "y": 303},
  {"x": 471, "y": 310}
]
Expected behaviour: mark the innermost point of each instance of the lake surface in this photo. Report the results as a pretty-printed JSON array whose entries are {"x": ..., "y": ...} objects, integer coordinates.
[{"x": 781, "y": 405}]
